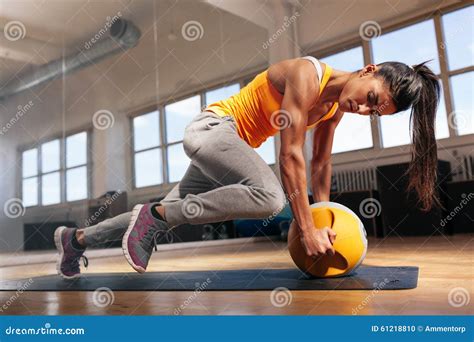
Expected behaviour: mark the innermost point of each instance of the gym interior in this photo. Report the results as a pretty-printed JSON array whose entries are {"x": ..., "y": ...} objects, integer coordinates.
[{"x": 95, "y": 97}]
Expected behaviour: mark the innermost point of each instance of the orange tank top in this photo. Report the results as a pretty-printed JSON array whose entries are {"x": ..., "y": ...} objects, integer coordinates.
[{"x": 253, "y": 107}]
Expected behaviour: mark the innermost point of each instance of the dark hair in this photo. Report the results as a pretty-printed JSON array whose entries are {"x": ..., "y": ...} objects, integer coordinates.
[{"x": 417, "y": 87}]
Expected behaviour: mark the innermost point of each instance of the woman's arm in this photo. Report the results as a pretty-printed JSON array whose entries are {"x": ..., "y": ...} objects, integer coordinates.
[
  {"x": 300, "y": 90},
  {"x": 321, "y": 167}
]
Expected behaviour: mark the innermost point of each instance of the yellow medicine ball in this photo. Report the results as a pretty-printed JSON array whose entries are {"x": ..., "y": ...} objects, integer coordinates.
[{"x": 350, "y": 245}]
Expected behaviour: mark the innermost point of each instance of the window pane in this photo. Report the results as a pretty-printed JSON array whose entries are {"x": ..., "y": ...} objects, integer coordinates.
[
  {"x": 462, "y": 87},
  {"x": 349, "y": 60},
  {"x": 76, "y": 149},
  {"x": 442, "y": 130},
  {"x": 148, "y": 168},
  {"x": 221, "y": 93},
  {"x": 267, "y": 150},
  {"x": 30, "y": 162},
  {"x": 50, "y": 189},
  {"x": 458, "y": 33},
  {"x": 76, "y": 183},
  {"x": 412, "y": 45},
  {"x": 30, "y": 192},
  {"x": 50, "y": 156},
  {"x": 178, "y": 162},
  {"x": 178, "y": 115},
  {"x": 395, "y": 128},
  {"x": 146, "y": 131},
  {"x": 353, "y": 131}
]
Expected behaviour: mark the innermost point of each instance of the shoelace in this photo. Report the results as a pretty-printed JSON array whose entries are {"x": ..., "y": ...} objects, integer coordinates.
[
  {"x": 153, "y": 234},
  {"x": 85, "y": 260}
]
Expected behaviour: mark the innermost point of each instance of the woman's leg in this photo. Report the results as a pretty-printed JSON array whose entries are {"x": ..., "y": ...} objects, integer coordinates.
[
  {"x": 244, "y": 185},
  {"x": 114, "y": 228},
  {"x": 111, "y": 229}
]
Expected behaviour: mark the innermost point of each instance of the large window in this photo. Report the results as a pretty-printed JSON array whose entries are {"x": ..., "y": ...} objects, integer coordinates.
[
  {"x": 353, "y": 131},
  {"x": 412, "y": 45},
  {"x": 148, "y": 168},
  {"x": 55, "y": 171}
]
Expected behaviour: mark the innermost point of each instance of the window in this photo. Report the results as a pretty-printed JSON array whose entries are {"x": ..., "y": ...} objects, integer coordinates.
[
  {"x": 462, "y": 87},
  {"x": 50, "y": 179},
  {"x": 43, "y": 168},
  {"x": 353, "y": 131},
  {"x": 148, "y": 169},
  {"x": 412, "y": 45},
  {"x": 76, "y": 167},
  {"x": 458, "y": 33},
  {"x": 30, "y": 177}
]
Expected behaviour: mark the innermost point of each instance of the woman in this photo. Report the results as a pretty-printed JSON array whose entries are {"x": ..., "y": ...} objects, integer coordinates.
[{"x": 227, "y": 179}]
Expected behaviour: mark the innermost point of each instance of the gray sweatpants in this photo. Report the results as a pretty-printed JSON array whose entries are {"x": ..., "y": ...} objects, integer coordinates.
[{"x": 225, "y": 180}]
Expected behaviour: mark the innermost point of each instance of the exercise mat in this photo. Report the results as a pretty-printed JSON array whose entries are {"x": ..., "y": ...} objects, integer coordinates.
[{"x": 364, "y": 278}]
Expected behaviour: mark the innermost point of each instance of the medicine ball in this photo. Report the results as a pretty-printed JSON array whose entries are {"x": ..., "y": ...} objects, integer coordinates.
[{"x": 350, "y": 245}]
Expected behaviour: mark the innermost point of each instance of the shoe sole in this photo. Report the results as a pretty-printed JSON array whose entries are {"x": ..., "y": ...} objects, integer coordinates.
[
  {"x": 59, "y": 246},
  {"x": 135, "y": 212}
]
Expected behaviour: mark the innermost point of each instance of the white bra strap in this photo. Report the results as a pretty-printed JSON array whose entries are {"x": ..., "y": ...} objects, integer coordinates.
[{"x": 317, "y": 65}]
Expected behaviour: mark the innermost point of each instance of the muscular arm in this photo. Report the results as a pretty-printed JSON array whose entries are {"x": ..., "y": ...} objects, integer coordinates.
[
  {"x": 300, "y": 90},
  {"x": 321, "y": 167}
]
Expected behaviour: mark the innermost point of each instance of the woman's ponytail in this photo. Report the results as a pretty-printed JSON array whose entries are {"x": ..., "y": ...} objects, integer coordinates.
[{"x": 422, "y": 170}]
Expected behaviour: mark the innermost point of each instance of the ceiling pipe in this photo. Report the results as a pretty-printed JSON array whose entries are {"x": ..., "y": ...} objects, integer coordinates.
[{"x": 124, "y": 35}]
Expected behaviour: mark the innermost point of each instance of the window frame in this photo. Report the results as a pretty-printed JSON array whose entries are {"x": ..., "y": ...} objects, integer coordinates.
[{"x": 62, "y": 167}]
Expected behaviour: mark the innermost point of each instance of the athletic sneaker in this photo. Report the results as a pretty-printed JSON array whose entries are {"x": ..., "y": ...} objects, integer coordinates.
[
  {"x": 140, "y": 237},
  {"x": 68, "y": 261}
]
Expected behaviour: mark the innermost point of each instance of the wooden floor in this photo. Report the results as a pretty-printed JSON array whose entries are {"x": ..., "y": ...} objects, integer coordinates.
[{"x": 446, "y": 263}]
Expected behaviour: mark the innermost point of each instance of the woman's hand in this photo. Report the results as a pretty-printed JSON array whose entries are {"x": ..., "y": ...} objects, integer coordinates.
[{"x": 318, "y": 242}]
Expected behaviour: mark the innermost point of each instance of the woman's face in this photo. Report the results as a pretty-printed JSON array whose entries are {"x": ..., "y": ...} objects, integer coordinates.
[{"x": 365, "y": 94}]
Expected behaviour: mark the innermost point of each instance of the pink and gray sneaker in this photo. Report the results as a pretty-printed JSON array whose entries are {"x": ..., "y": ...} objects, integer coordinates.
[
  {"x": 68, "y": 261},
  {"x": 141, "y": 236}
]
